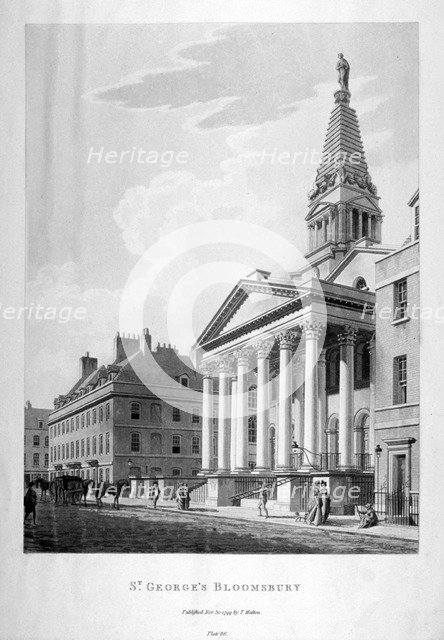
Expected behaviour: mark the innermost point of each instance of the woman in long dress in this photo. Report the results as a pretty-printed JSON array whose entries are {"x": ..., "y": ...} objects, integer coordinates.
[
  {"x": 325, "y": 499},
  {"x": 314, "y": 510}
]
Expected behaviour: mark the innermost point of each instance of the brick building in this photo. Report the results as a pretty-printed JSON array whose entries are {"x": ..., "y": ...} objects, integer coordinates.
[
  {"x": 111, "y": 424},
  {"x": 36, "y": 441},
  {"x": 397, "y": 364}
]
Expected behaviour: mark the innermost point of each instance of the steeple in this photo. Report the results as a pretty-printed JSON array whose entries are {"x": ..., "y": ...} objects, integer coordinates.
[{"x": 343, "y": 204}]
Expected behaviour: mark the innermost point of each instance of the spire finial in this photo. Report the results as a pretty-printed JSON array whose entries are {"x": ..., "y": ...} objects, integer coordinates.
[
  {"x": 342, "y": 96},
  {"x": 343, "y": 69}
]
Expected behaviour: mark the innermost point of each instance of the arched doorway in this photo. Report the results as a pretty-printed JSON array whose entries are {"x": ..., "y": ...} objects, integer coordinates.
[
  {"x": 332, "y": 460},
  {"x": 362, "y": 439}
]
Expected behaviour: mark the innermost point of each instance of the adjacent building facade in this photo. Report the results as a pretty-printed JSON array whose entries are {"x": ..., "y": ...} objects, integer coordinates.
[
  {"x": 397, "y": 365},
  {"x": 112, "y": 424},
  {"x": 36, "y": 443}
]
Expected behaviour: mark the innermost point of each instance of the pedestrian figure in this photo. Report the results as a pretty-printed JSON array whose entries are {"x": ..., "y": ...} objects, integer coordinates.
[
  {"x": 325, "y": 501},
  {"x": 263, "y": 499},
  {"x": 368, "y": 517},
  {"x": 155, "y": 494},
  {"x": 30, "y": 502},
  {"x": 183, "y": 497},
  {"x": 314, "y": 509}
]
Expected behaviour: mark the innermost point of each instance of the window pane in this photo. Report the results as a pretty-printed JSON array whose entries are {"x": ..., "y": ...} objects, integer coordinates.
[
  {"x": 135, "y": 442},
  {"x": 135, "y": 411},
  {"x": 176, "y": 444}
]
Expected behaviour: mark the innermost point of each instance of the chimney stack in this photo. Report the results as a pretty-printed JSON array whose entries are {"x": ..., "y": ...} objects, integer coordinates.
[
  {"x": 145, "y": 341},
  {"x": 125, "y": 346},
  {"x": 86, "y": 366}
]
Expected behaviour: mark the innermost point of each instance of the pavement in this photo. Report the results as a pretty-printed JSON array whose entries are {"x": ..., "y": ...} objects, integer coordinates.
[{"x": 339, "y": 524}]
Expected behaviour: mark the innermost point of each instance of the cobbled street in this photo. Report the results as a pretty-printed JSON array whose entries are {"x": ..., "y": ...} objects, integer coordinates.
[{"x": 73, "y": 529}]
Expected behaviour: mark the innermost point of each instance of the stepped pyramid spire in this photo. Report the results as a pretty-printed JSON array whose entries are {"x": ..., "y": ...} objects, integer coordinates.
[{"x": 343, "y": 204}]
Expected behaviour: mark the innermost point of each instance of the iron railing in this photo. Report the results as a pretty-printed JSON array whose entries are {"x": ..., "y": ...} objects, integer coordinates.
[
  {"x": 364, "y": 461},
  {"x": 398, "y": 507},
  {"x": 319, "y": 461},
  {"x": 330, "y": 461},
  {"x": 248, "y": 486}
]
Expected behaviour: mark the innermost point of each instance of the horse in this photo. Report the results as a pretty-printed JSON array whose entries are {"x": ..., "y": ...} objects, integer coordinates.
[
  {"x": 119, "y": 486},
  {"x": 85, "y": 487},
  {"x": 44, "y": 487}
]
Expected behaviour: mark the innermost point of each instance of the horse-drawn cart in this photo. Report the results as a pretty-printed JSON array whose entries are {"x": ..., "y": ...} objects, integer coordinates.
[{"x": 68, "y": 489}]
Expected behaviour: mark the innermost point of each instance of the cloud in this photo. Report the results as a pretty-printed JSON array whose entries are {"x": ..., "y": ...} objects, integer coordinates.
[
  {"x": 176, "y": 199},
  {"x": 243, "y": 75}
]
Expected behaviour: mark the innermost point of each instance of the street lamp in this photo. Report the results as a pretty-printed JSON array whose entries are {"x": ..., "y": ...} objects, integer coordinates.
[
  {"x": 130, "y": 464},
  {"x": 295, "y": 446},
  {"x": 378, "y": 451}
]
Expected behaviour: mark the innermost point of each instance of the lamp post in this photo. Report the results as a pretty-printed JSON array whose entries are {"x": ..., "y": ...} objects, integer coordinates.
[
  {"x": 378, "y": 451},
  {"x": 295, "y": 447},
  {"x": 130, "y": 464}
]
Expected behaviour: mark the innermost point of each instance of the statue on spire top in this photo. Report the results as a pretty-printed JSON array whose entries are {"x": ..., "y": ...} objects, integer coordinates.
[{"x": 343, "y": 68}]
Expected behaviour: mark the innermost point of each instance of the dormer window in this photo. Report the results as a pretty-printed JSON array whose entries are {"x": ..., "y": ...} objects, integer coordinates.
[{"x": 184, "y": 380}]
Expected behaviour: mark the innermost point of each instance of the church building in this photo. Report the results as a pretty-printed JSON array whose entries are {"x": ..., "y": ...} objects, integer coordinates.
[{"x": 296, "y": 383}]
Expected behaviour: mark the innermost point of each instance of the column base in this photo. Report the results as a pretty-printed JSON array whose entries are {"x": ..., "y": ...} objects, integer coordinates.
[
  {"x": 222, "y": 472},
  {"x": 261, "y": 471},
  {"x": 241, "y": 471},
  {"x": 281, "y": 470},
  {"x": 205, "y": 472}
]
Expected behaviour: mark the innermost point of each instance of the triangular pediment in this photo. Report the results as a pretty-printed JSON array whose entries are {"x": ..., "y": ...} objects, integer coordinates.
[
  {"x": 366, "y": 203},
  {"x": 248, "y": 300}
]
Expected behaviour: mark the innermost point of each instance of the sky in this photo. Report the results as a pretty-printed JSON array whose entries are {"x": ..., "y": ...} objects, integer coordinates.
[{"x": 208, "y": 106}]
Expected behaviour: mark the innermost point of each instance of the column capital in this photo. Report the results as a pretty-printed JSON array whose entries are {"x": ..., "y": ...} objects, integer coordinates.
[
  {"x": 263, "y": 347},
  {"x": 242, "y": 355},
  {"x": 224, "y": 363},
  {"x": 312, "y": 329},
  {"x": 207, "y": 369},
  {"x": 322, "y": 359},
  {"x": 287, "y": 339},
  {"x": 347, "y": 335}
]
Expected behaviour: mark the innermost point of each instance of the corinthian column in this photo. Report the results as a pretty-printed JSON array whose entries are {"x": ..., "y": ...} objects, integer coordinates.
[
  {"x": 347, "y": 339},
  {"x": 287, "y": 340},
  {"x": 312, "y": 332},
  {"x": 233, "y": 430},
  {"x": 207, "y": 419},
  {"x": 263, "y": 348},
  {"x": 242, "y": 356},
  {"x": 223, "y": 436},
  {"x": 322, "y": 404}
]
